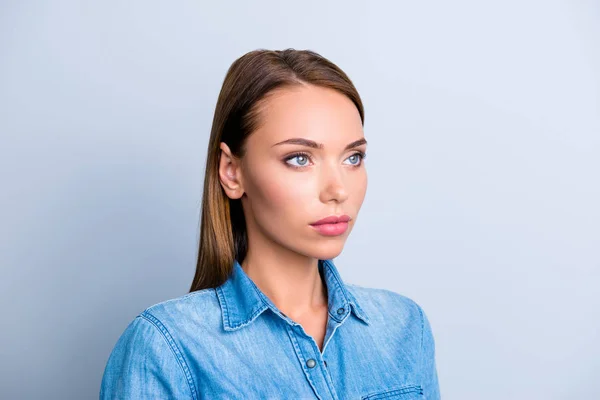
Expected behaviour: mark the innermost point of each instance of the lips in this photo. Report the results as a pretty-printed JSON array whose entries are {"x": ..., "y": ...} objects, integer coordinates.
[{"x": 332, "y": 220}]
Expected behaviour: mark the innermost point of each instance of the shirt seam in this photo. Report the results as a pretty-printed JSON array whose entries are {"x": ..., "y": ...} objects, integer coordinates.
[
  {"x": 174, "y": 349},
  {"x": 246, "y": 319},
  {"x": 354, "y": 301},
  {"x": 340, "y": 287},
  {"x": 422, "y": 355}
]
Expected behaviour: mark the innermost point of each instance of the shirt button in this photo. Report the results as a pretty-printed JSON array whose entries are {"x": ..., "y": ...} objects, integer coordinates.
[
  {"x": 311, "y": 363},
  {"x": 340, "y": 310}
]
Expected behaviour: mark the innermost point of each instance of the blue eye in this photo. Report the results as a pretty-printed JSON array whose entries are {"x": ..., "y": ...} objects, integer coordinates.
[
  {"x": 360, "y": 156},
  {"x": 303, "y": 159},
  {"x": 299, "y": 156}
]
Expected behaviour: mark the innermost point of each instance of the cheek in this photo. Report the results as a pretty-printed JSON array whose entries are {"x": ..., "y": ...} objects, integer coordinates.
[
  {"x": 360, "y": 188},
  {"x": 283, "y": 195}
]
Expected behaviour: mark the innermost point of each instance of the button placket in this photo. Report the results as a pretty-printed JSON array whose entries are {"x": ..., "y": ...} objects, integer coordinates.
[{"x": 309, "y": 355}]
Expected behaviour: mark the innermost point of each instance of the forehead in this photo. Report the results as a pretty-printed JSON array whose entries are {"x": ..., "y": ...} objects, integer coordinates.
[{"x": 312, "y": 112}]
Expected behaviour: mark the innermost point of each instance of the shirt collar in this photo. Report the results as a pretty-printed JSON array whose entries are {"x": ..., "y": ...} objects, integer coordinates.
[{"x": 242, "y": 301}]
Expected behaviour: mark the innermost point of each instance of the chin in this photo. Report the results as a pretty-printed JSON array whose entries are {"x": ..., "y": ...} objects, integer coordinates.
[{"x": 327, "y": 250}]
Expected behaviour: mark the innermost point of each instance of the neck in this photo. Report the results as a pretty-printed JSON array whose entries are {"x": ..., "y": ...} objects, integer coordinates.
[{"x": 291, "y": 281}]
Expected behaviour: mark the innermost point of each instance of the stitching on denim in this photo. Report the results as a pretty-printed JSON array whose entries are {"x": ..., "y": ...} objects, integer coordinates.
[
  {"x": 227, "y": 314},
  {"x": 247, "y": 319},
  {"x": 251, "y": 318},
  {"x": 260, "y": 296},
  {"x": 173, "y": 346},
  {"x": 223, "y": 302},
  {"x": 299, "y": 354},
  {"x": 339, "y": 286},
  {"x": 362, "y": 313},
  {"x": 387, "y": 393},
  {"x": 184, "y": 297},
  {"x": 256, "y": 311},
  {"x": 421, "y": 361}
]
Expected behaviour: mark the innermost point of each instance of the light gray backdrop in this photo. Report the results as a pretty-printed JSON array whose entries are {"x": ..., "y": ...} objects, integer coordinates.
[{"x": 483, "y": 122}]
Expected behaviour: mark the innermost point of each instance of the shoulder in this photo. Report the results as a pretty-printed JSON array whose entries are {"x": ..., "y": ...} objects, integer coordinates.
[
  {"x": 147, "y": 361},
  {"x": 389, "y": 306},
  {"x": 149, "y": 355},
  {"x": 384, "y": 298},
  {"x": 170, "y": 320},
  {"x": 161, "y": 320},
  {"x": 199, "y": 308}
]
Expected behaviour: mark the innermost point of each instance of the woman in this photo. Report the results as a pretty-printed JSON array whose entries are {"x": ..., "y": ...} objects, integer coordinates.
[{"x": 268, "y": 315}]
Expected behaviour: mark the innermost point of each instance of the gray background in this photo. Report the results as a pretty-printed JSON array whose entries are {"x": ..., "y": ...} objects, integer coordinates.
[{"x": 483, "y": 122}]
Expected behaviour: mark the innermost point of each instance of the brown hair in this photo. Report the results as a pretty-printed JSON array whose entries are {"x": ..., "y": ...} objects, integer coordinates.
[{"x": 246, "y": 85}]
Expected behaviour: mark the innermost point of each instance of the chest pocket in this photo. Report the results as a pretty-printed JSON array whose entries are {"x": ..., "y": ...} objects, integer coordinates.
[{"x": 402, "y": 393}]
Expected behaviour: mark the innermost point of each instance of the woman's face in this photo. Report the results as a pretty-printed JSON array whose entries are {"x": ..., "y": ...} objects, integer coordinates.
[{"x": 285, "y": 191}]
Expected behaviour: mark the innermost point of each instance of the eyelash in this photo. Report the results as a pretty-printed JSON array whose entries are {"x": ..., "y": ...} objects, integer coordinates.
[{"x": 362, "y": 155}]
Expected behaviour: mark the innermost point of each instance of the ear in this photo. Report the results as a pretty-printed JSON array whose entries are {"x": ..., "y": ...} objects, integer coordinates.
[{"x": 230, "y": 173}]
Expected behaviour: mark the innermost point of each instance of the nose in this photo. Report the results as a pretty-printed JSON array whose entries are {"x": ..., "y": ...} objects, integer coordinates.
[{"x": 334, "y": 187}]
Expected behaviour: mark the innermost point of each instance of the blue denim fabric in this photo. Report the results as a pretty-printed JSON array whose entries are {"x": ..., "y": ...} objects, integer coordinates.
[{"x": 232, "y": 342}]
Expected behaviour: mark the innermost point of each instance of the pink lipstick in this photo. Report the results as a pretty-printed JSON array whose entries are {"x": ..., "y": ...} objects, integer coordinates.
[{"x": 332, "y": 225}]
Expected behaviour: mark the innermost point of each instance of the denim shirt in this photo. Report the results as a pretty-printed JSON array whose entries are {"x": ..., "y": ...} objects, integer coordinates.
[{"x": 232, "y": 342}]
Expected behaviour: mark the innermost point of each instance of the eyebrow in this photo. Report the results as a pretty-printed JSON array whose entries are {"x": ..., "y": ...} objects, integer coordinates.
[{"x": 315, "y": 145}]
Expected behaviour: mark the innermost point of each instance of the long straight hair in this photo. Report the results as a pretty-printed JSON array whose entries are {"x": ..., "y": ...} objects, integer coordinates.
[{"x": 223, "y": 236}]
